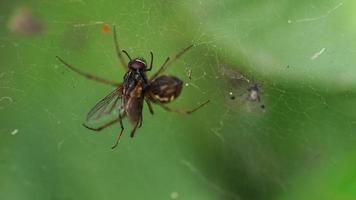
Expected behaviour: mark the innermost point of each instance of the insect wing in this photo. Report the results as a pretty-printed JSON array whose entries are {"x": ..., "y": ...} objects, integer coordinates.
[{"x": 106, "y": 106}]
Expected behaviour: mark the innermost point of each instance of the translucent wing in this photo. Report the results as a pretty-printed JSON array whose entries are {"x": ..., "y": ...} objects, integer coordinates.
[{"x": 106, "y": 106}]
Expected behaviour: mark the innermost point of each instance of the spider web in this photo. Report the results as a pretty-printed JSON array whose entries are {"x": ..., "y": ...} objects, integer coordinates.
[{"x": 234, "y": 148}]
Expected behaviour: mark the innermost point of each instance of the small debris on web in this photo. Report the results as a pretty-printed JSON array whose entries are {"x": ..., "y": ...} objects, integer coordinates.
[
  {"x": 232, "y": 96},
  {"x": 189, "y": 73},
  {"x": 25, "y": 23},
  {"x": 14, "y": 132},
  {"x": 244, "y": 91},
  {"x": 105, "y": 28},
  {"x": 174, "y": 195},
  {"x": 233, "y": 74},
  {"x": 254, "y": 93},
  {"x": 5, "y": 101},
  {"x": 317, "y": 54}
]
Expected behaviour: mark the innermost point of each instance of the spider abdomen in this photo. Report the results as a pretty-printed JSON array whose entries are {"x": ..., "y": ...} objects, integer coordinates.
[{"x": 165, "y": 89}]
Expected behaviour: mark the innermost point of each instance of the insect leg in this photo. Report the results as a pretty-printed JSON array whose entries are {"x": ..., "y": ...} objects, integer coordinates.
[
  {"x": 127, "y": 54},
  {"x": 103, "y": 126},
  {"x": 118, "y": 51},
  {"x": 89, "y": 76},
  {"x": 151, "y": 63},
  {"x": 170, "y": 61},
  {"x": 119, "y": 136},
  {"x": 134, "y": 129},
  {"x": 180, "y": 111},
  {"x": 141, "y": 118}
]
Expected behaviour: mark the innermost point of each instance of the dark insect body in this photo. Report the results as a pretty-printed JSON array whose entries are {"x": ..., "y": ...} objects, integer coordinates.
[{"x": 129, "y": 96}]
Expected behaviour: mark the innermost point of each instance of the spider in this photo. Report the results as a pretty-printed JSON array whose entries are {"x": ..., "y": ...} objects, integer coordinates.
[{"x": 129, "y": 96}]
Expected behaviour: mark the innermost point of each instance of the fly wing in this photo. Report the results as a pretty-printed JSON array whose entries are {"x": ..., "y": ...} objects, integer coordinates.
[{"x": 106, "y": 106}]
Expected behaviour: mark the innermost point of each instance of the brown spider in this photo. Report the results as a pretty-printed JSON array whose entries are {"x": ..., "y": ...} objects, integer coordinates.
[{"x": 129, "y": 96}]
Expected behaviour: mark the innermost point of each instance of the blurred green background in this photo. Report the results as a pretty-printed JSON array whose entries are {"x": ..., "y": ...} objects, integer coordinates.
[{"x": 301, "y": 146}]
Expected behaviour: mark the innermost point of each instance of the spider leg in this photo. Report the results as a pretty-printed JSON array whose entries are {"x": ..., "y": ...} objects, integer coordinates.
[
  {"x": 103, "y": 126},
  {"x": 148, "y": 102},
  {"x": 89, "y": 76},
  {"x": 170, "y": 61},
  {"x": 181, "y": 111},
  {"x": 120, "y": 134},
  {"x": 118, "y": 51}
]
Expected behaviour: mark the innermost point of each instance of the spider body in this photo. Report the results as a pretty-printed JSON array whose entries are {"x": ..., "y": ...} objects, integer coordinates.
[
  {"x": 129, "y": 96},
  {"x": 165, "y": 89}
]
